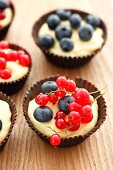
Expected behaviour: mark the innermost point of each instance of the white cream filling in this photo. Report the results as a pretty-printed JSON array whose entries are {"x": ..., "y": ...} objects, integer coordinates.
[
  {"x": 8, "y": 17},
  {"x": 81, "y": 48},
  {"x": 5, "y": 117},
  {"x": 44, "y": 127}
]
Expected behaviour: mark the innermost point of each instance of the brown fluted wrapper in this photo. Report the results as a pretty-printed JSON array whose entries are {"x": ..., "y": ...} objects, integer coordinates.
[
  {"x": 13, "y": 116},
  {"x": 4, "y": 30},
  {"x": 35, "y": 90},
  {"x": 14, "y": 86},
  {"x": 64, "y": 61}
]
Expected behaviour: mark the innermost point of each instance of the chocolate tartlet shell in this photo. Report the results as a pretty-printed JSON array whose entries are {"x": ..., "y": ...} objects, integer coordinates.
[
  {"x": 13, "y": 116},
  {"x": 14, "y": 86},
  {"x": 35, "y": 90},
  {"x": 4, "y": 30}
]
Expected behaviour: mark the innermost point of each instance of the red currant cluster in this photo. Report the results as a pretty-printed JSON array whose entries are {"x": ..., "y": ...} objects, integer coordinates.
[{"x": 7, "y": 54}]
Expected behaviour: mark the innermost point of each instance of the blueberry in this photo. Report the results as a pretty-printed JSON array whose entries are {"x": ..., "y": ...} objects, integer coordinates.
[
  {"x": 63, "y": 14},
  {"x": 93, "y": 20},
  {"x": 0, "y": 125},
  {"x": 66, "y": 44},
  {"x": 48, "y": 86},
  {"x": 85, "y": 32},
  {"x": 75, "y": 20},
  {"x": 4, "y": 4},
  {"x": 43, "y": 114},
  {"x": 46, "y": 41},
  {"x": 63, "y": 103},
  {"x": 63, "y": 31},
  {"x": 53, "y": 21}
]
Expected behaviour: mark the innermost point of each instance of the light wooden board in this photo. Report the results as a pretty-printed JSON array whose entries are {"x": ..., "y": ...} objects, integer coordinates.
[{"x": 24, "y": 151}]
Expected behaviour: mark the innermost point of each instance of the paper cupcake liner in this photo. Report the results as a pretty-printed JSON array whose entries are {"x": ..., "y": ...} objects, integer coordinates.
[
  {"x": 14, "y": 86},
  {"x": 35, "y": 89},
  {"x": 13, "y": 117},
  {"x": 64, "y": 61},
  {"x": 4, "y": 30}
]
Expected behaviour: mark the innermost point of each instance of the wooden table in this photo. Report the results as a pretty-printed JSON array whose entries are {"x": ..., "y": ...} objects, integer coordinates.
[{"x": 24, "y": 151}]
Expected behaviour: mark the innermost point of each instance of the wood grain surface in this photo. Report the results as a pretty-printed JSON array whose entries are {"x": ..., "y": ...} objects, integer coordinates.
[{"x": 24, "y": 151}]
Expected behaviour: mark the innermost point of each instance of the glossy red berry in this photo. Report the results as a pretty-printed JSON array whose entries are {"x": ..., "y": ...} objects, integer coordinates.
[
  {"x": 55, "y": 140},
  {"x": 71, "y": 86},
  {"x": 87, "y": 114},
  {"x": 11, "y": 55},
  {"x": 53, "y": 98},
  {"x": 2, "y": 63},
  {"x": 60, "y": 114},
  {"x": 24, "y": 60},
  {"x": 61, "y": 82},
  {"x": 20, "y": 52},
  {"x": 37, "y": 98},
  {"x": 60, "y": 123},
  {"x": 42, "y": 99},
  {"x": 60, "y": 93},
  {"x": 2, "y": 53},
  {"x": 74, "y": 117},
  {"x": 73, "y": 106},
  {"x": 2, "y": 15},
  {"x": 5, "y": 74},
  {"x": 83, "y": 97},
  {"x": 74, "y": 127},
  {"x": 4, "y": 44}
]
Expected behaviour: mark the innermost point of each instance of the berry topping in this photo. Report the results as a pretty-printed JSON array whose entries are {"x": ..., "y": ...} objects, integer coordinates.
[
  {"x": 46, "y": 41},
  {"x": 83, "y": 97},
  {"x": 71, "y": 86},
  {"x": 63, "y": 31},
  {"x": 75, "y": 20},
  {"x": 60, "y": 123},
  {"x": 66, "y": 44},
  {"x": 48, "y": 87},
  {"x": 63, "y": 103},
  {"x": 5, "y": 74},
  {"x": 73, "y": 106},
  {"x": 85, "y": 32},
  {"x": 42, "y": 99},
  {"x": 87, "y": 114},
  {"x": 2, "y": 53},
  {"x": 93, "y": 20},
  {"x": 55, "y": 140},
  {"x": 74, "y": 127},
  {"x": 4, "y": 45},
  {"x": 60, "y": 115},
  {"x": 2, "y": 15},
  {"x": 74, "y": 117},
  {"x": 43, "y": 114},
  {"x": 2, "y": 63},
  {"x": 0, "y": 125},
  {"x": 4, "y": 4},
  {"x": 63, "y": 14},
  {"x": 53, "y": 98},
  {"x": 53, "y": 21},
  {"x": 24, "y": 60},
  {"x": 61, "y": 82},
  {"x": 11, "y": 55},
  {"x": 60, "y": 93}
]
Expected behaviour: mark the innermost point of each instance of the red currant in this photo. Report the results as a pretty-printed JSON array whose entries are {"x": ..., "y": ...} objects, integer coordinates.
[
  {"x": 87, "y": 114},
  {"x": 37, "y": 98},
  {"x": 2, "y": 63},
  {"x": 55, "y": 140},
  {"x": 4, "y": 44},
  {"x": 73, "y": 106},
  {"x": 60, "y": 114},
  {"x": 60, "y": 123},
  {"x": 74, "y": 117},
  {"x": 2, "y": 15},
  {"x": 42, "y": 99},
  {"x": 5, "y": 74},
  {"x": 61, "y": 82},
  {"x": 53, "y": 98},
  {"x": 71, "y": 86},
  {"x": 83, "y": 97},
  {"x": 60, "y": 93},
  {"x": 11, "y": 55},
  {"x": 2, "y": 53},
  {"x": 20, "y": 52},
  {"x": 74, "y": 127},
  {"x": 24, "y": 60}
]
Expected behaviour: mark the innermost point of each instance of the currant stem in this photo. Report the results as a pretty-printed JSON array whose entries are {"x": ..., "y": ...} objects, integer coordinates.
[
  {"x": 98, "y": 90},
  {"x": 98, "y": 97}
]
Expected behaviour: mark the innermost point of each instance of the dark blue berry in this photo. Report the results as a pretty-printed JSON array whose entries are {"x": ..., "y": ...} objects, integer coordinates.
[
  {"x": 75, "y": 20},
  {"x": 4, "y": 4},
  {"x": 66, "y": 44},
  {"x": 46, "y": 41},
  {"x": 53, "y": 21},
  {"x": 63, "y": 14},
  {"x": 93, "y": 20},
  {"x": 48, "y": 87},
  {"x": 0, "y": 125},
  {"x": 43, "y": 114},
  {"x": 63, "y": 103},
  {"x": 85, "y": 32},
  {"x": 63, "y": 31}
]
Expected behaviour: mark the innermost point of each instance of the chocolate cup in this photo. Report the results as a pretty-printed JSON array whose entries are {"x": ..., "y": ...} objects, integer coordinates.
[
  {"x": 64, "y": 61},
  {"x": 4, "y": 30},
  {"x": 14, "y": 86},
  {"x": 13, "y": 117},
  {"x": 35, "y": 89}
]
